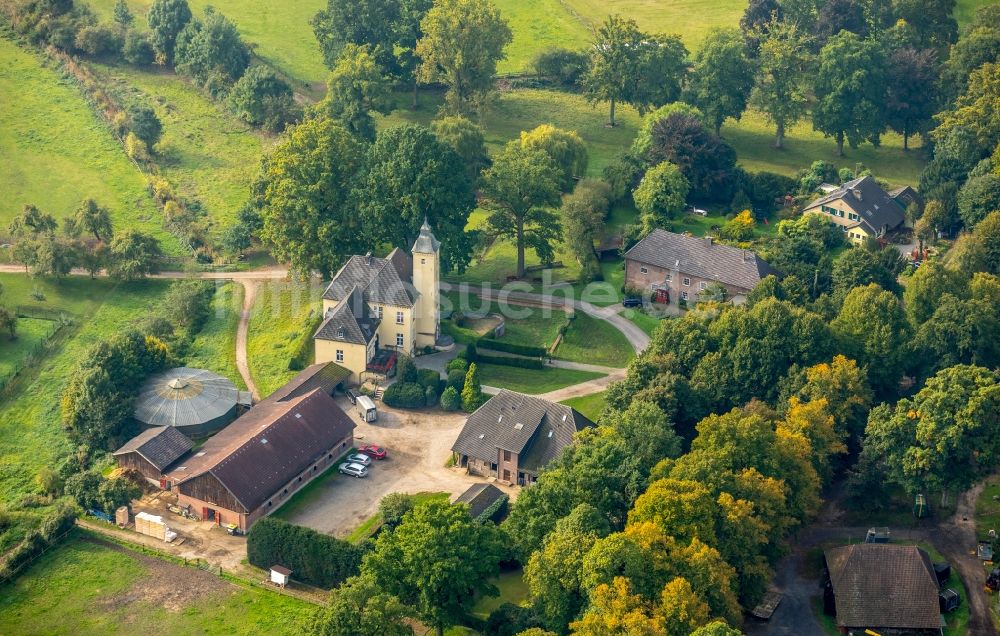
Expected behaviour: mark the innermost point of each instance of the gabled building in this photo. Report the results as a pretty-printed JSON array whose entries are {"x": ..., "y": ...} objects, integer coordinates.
[
  {"x": 513, "y": 436},
  {"x": 862, "y": 209},
  {"x": 679, "y": 267},
  {"x": 884, "y": 587},
  {"x": 255, "y": 464},
  {"x": 377, "y": 307}
]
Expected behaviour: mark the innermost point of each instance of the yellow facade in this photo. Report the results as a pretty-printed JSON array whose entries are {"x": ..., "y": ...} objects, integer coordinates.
[
  {"x": 354, "y": 357},
  {"x": 426, "y": 280},
  {"x": 840, "y": 214}
]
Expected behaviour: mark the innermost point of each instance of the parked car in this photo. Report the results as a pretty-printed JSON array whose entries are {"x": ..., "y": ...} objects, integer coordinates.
[
  {"x": 698, "y": 211},
  {"x": 373, "y": 451},
  {"x": 632, "y": 302},
  {"x": 359, "y": 458},
  {"x": 351, "y": 395},
  {"x": 356, "y": 470}
]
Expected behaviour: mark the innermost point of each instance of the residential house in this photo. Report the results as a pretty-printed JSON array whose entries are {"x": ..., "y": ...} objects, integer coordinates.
[
  {"x": 679, "y": 267},
  {"x": 862, "y": 209},
  {"x": 513, "y": 436},
  {"x": 376, "y": 308},
  {"x": 883, "y": 587}
]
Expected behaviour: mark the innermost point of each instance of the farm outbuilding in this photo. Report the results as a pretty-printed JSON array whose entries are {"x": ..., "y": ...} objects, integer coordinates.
[
  {"x": 194, "y": 401},
  {"x": 150, "y": 452}
]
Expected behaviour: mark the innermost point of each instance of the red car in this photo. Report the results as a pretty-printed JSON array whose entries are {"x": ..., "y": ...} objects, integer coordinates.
[{"x": 375, "y": 452}]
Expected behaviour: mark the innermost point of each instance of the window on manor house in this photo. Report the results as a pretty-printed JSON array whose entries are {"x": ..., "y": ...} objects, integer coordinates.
[
  {"x": 399, "y": 340},
  {"x": 340, "y": 355},
  {"x": 399, "y": 317}
]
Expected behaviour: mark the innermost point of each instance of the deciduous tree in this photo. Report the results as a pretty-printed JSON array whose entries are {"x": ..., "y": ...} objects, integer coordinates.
[
  {"x": 872, "y": 329},
  {"x": 613, "y": 62},
  {"x": 133, "y": 255},
  {"x": 357, "y": 87},
  {"x": 781, "y": 89},
  {"x": 661, "y": 196},
  {"x": 564, "y": 147},
  {"x": 721, "y": 78},
  {"x": 359, "y": 607},
  {"x": 166, "y": 20}
]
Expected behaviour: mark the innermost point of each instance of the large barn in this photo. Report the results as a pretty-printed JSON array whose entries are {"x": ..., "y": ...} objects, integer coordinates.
[{"x": 256, "y": 463}]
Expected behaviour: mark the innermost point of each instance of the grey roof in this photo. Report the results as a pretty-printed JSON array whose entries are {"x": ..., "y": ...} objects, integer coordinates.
[
  {"x": 875, "y": 207},
  {"x": 426, "y": 243},
  {"x": 185, "y": 397},
  {"x": 479, "y": 497},
  {"x": 701, "y": 257},
  {"x": 536, "y": 429},
  {"x": 884, "y": 585},
  {"x": 160, "y": 446},
  {"x": 350, "y": 321},
  {"x": 386, "y": 281}
]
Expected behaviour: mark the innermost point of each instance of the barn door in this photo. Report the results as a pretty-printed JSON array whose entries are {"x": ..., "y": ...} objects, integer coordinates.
[{"x": 204, "y": 514}]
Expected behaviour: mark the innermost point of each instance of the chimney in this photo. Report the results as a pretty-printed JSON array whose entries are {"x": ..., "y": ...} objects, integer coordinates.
[
  {"x": 857, "y": 193},
  {"x": 747, "y": 256},
  {"x": 368, "y": 258},
  {"x": 708, "y": 241}
]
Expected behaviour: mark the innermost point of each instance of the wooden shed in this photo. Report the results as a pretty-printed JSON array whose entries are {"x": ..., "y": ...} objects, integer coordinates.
[{"x": 280, "y": 575}]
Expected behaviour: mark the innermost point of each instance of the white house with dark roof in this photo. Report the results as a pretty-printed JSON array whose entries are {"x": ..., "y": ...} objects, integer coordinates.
[
  {"x": 376, "y": 308},
  {"x": 513, "y": 436},
  {"x": 679, "y": 267},
  {"x": 862, "y": 209}
]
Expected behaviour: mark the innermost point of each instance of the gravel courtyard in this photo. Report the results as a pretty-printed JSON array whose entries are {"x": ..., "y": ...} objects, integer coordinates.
[{"x": 419, "y": 445}]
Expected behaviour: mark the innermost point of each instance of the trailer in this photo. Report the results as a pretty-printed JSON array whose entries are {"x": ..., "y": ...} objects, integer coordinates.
[
  {"x": 765, "y": 609},
  {"x": 366, "y": 409}
]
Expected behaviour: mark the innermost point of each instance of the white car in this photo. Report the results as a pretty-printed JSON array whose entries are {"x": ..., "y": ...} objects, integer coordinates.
[
  {"x": 359, "y": 458},
  {"x": 698, "y": 211},
  {"x": 357, "y": 470}
]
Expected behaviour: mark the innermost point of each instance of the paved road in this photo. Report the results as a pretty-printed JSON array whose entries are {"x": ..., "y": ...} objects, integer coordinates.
[{"x": 269, "y": 273}]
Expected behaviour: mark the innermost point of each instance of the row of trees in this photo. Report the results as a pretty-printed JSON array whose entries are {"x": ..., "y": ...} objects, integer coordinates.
[{"x": 87, "y": 241}]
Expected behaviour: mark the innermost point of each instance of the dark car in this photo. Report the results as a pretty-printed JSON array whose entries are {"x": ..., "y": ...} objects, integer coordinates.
[
  {"x": 351, "y": 395},
  {"x": 373, "y": 451},
  {"x": 632, "y": 302}
]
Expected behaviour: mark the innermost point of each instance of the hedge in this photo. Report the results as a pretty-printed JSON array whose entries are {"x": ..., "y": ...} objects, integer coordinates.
[
  {"x": 456, "y": 379},
  {"x": 504, "y": 361},
  {"x": 511, "y": 347},
  {"x": 406, "y": 395},
  {"x": 314, "y": 558},
  {"x": 430, "y": 379},
  {"x": 302, "y": 352},
  {"x": 36, "y": 541},
  {"x": 450, "y": 399},
  {"x": 495, "y": 511},
  {"x": 458, "y": 364}
]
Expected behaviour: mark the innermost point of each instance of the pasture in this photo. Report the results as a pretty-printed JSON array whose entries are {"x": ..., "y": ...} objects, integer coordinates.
[
  {"x": 283, "y": 314},
  {"x": 57, "y": 152}
]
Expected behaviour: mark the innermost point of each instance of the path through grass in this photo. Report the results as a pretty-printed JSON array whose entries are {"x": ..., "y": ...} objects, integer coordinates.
[
  {"x": 282, "y": 313},
  {"x": 214, "y": 347}
]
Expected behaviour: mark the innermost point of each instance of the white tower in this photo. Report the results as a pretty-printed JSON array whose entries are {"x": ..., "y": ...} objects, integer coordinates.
[{"x": 427, "y": 281}]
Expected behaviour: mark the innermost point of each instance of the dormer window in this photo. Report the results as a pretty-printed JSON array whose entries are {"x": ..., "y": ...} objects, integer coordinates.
[{"x": 340, "y": 333}]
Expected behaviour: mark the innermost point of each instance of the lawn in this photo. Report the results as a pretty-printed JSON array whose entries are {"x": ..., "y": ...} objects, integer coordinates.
[
  {"x": 31, "y": 435},
  {"x": 278, "y": 31},
  {"x": 642, "y": 320},
  {"x": 539, "y": 25},
  {"x": 205, "y": 153},
  {"x": 532, "y": 381},
  {"x": 988, "y": 507},
  {"x": 31, "y": 333},
  {"x": 282, "y": 313},
  {"x": 590, "y": 406},
  {"x": 532, "y": 326},
  {"x": 89, "y": 587},
  {"x": 594, "y": 341},
  {"x": 214, "y": 347},
  {"x": 513, "y": 589},
  {"x": 46, "y": 167}
]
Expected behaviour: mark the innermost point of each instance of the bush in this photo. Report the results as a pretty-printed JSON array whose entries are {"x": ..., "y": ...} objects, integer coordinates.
[
  {"x": 430, "y": 379},
  {"x": 456, "y": 379},
  {"x": 406, "y": 370},
  {"x": 510, "y": 619},
  {"x": 520, "y": 363},
  {"x": 472, "y": 392},
  {"x": 405, "y": 395},
  {"x": 450, "y": 398},
  {"x": 458, "y": 364},
  {"x": 136, "y": 148},
  {"x": 98, "y": 39},
  {"x": 138, "y": 50},
  {"x": 430, "y": 396},
  {"x": 393, "y": 506},
  {"x": 35, "y": 541},
  {"x": 314, "y": 558},
  {"x": 511, "y": 347},
  {"x": 563, "y": 66},
  {"x": 142, "y": 121},
  {"x": 263, "y": 99}
]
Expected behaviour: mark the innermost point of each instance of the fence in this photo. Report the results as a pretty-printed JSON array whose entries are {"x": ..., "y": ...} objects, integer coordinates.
[
  {"x": 43, "y": 346},
  {"x": 55, "y": 543}
]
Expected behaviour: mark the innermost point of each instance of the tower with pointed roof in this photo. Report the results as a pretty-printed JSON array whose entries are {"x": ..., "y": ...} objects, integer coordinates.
[{"x": 426, "y": 281}]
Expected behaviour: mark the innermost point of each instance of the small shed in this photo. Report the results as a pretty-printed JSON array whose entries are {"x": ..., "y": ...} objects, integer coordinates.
[
  {"x": 122, "y": 517},
  {"x": 949, "y": 600},
  {"x": 280, "y": 575},
  {"x": 985, "y": 551},
  {"x": 943, "y": 572},
  {"x": 877, "y": 535}
]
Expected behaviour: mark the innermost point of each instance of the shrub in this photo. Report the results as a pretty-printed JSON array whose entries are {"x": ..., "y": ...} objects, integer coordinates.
[
  {"x": 456, "y": 379},
  {"x": 563, "y": 66},
  {"x": 406, "y": 370},
  {"x": 450, "y": 399},
  {"x": 472, "y": 392},
  {"x": 263, "y": 99},
  {"x": 136, "y": 148},
  {"x": 393, "y": 506},
  {"x": 511, "y": 347},
  {"x": 520, "y": 363},
  {"x": 405, "y": 395},
  {"x": 314, "y": 558},
  {"x": 430, "y": 379},
  {"x": 430, "y": 396},
  {"x": 98, "y": 39},
  {"x": 458, "y": 364},
  {"x": 138, "y": 50}
]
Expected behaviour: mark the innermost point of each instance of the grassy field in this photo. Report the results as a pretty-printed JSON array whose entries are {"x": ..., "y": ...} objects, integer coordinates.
[
  {"x": 31, "y": 435},
  {"x": 45, "y": 166},
  {"x": 214, "y": 347},
  {"x": 31, "y": 332},
  {"x": 593, "y": 341},
  {"x": 538, "y": 25},
  {"x": 532, "y": 381},
  {"x": 280, "y": 315},
  {"x": 206, "y": 153},
  {"x": 590, "y": 406},
  {"x": 988, "y": 507},
  {"x": 279, "y": 32},
  {"x": 644, "y": 321},
  {"x": 513, "y": 589},
  {"x": 87, "y": 587}
]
